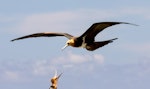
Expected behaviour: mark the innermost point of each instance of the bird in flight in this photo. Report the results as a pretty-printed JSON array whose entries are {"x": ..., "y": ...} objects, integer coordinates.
[
  {"x": 54, "y": 81},
  {"x": 86, "y": 40}
]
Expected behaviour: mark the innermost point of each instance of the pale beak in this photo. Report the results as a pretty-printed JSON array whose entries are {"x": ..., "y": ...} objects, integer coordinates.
[{"x": 64, "y": 47}]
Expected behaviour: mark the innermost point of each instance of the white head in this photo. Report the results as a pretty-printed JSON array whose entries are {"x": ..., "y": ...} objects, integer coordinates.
[{"x": 69, "y": 43}]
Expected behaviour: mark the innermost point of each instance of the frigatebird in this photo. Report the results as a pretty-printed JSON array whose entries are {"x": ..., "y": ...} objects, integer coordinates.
[
  {"x": 54, "y": 81},
  {"x": 86, "y": 40}
]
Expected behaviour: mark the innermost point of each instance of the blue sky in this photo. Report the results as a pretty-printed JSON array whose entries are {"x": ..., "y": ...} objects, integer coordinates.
[{"x": 30, "y": 63}]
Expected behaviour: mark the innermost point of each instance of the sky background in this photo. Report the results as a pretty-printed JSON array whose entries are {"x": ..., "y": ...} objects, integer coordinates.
[{"x": 30, "y": 63}]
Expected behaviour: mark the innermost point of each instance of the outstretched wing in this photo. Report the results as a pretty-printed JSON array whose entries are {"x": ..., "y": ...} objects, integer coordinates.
[
  {"x": 96, "y": 28},
  {"x": 45, "y": 34}
]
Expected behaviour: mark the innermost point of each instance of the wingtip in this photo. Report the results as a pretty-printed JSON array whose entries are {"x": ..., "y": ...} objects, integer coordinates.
[
  {"x": 15, "y": 39},
  {"x": 12, "y": 40},
  {"x": 112, "y": 40},
  {"x": 128, "y": 23},
  {"x": 117, "y": 23},
  {"x": 115, "y": 39}
]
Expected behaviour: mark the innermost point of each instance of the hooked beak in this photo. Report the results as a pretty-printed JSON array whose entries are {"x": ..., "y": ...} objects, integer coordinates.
[{"x": 64, "y": 47}]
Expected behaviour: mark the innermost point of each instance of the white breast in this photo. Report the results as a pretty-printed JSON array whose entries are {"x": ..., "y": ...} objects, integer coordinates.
[{"x": 83, "y": 43}]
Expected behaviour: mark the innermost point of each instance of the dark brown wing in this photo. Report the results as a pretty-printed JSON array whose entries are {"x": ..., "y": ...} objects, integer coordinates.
[
  {"x": 96, "y": 28},
  {"x": 46, "y": 34}
]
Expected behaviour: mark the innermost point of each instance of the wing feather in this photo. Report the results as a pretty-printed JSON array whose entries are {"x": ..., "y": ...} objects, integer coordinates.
[
  {"x": 45, "y": 34},
  {"x": 98, "y": 27}
]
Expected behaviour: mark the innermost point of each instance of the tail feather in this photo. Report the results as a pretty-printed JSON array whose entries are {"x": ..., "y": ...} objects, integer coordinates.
[{"x": 97, "y": 45}]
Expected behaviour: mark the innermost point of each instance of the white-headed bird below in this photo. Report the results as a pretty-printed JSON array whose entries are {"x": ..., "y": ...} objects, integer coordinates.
[{"x": 54, "y": 81}]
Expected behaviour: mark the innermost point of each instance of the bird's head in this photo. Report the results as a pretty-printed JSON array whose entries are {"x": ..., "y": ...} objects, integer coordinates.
[
  {"x": 70, "y": 42},
  {"x": 54, "y": 80}
]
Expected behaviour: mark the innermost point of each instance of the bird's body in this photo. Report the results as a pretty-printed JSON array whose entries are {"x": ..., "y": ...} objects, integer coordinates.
[
  {"x": 54, "y": 81},
  {"x": 86, "y": 40}
]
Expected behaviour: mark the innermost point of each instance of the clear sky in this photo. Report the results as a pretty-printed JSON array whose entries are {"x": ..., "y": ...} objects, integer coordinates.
[{"x": 30, "y": 63}]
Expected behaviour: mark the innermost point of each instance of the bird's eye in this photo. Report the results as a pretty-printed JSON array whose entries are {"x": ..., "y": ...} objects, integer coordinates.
[{"x": 67, "y": 43}]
